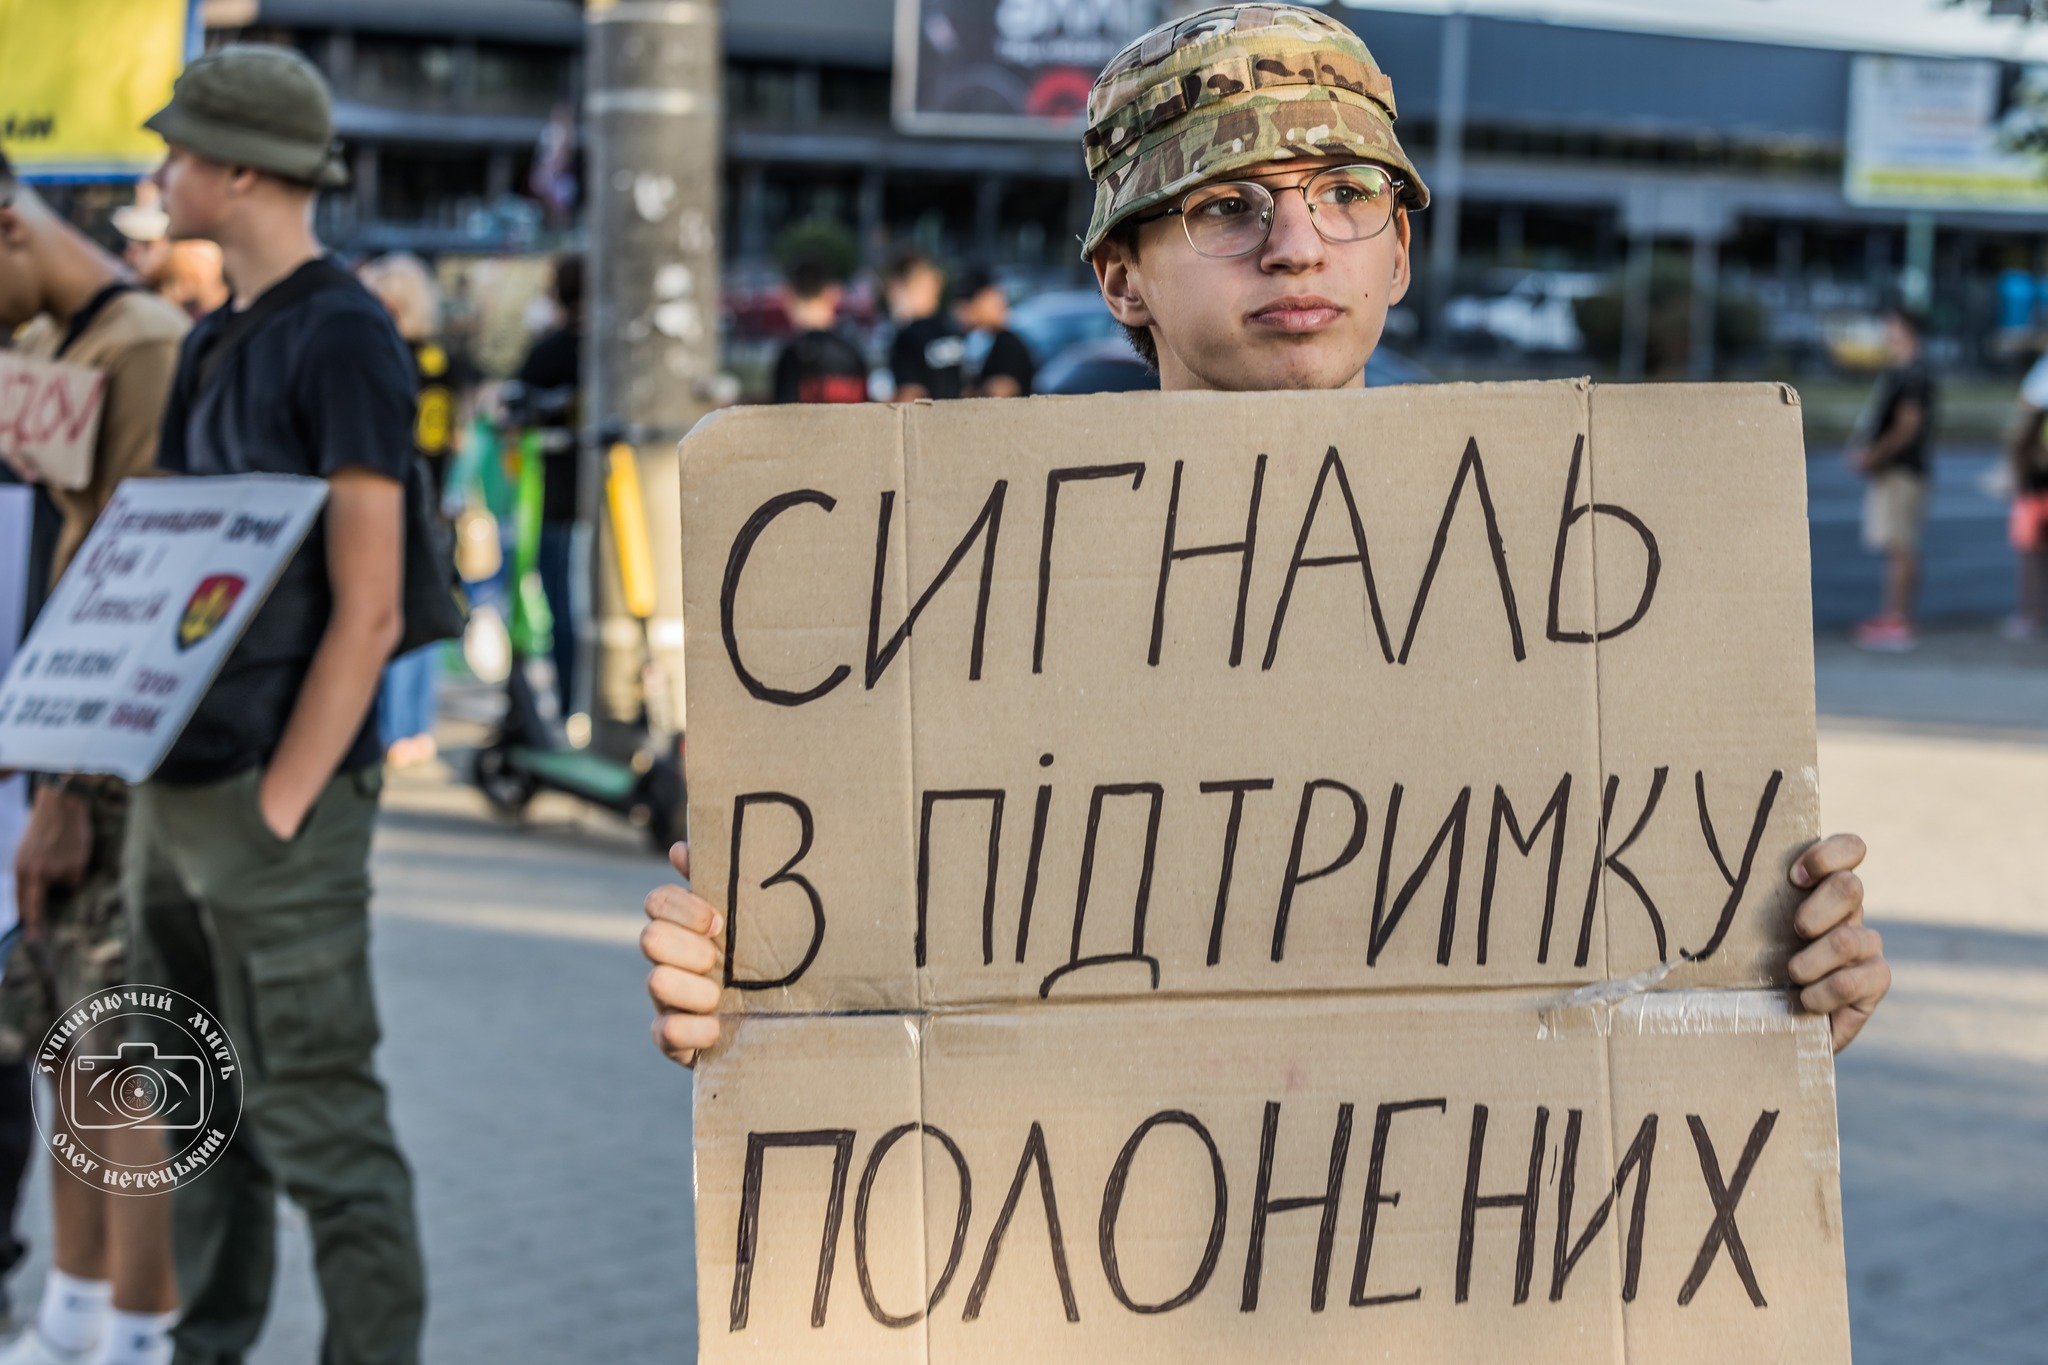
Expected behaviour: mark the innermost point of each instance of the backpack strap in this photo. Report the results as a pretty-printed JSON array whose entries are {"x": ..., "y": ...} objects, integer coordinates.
[
  {"x": 86, "y": 316},
  {"x": 314, "y": 277}
]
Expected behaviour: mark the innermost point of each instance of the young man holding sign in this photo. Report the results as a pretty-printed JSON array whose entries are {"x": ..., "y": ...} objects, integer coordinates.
[{"x": 1249, "y": 242}]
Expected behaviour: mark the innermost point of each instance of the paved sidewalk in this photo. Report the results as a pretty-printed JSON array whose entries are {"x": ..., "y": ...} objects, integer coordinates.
[{"x": 1940, "y": 759}]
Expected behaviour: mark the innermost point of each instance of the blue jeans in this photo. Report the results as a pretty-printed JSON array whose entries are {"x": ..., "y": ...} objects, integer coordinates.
[{"x": 405, "y": 704}]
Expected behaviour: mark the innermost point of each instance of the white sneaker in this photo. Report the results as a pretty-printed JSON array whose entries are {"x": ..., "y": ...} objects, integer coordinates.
[{"x": 31, "y": 1348}]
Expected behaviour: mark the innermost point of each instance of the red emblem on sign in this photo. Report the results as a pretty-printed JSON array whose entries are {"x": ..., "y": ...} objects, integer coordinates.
[{"x": 211, "y": 602}]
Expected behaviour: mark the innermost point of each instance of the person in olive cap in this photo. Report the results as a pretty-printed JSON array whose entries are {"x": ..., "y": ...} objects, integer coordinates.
[
  {"x": 248, "y": 851},
  {"x": 1250, "y": 232}
]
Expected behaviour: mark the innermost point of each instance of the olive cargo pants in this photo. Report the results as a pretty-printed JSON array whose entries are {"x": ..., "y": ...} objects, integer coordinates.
[{"x": 273, "y": 935}]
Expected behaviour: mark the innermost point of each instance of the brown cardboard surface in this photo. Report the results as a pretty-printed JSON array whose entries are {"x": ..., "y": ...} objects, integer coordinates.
[
  {"x": 50, "y": 416},
  {"x": 1374, "y": 1098},
  {"x": 1284, "y": 830}
]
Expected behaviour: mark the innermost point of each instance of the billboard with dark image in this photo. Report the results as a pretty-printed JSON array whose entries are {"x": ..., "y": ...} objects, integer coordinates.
[{"x": 1010, "y": 68}]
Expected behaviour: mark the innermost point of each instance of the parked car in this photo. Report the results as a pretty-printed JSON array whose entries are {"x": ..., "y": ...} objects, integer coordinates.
[
  {"x": 1113, "y": 367},
  {"x": 1532, "y": 313},
  {"x": 1050, "y": 323},
  {"x": 1096, "y": 367}
]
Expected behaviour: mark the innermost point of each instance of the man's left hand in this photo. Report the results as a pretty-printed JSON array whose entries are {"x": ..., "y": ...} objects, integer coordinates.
[
  {"x": 1841, "y": 971},
  {"x": 55, "y": 850}
]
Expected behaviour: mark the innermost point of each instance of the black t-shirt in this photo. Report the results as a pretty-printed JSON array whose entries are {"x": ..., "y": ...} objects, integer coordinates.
[
  {"x": 1909, "y": 383},
  {"x": 820, "y": 367},
  {"x": 556, "y": 362},
  {"x": 1001, "y": 354},
  {"x": 323, "y": 386},
  {"x": 929, "y": 353}
]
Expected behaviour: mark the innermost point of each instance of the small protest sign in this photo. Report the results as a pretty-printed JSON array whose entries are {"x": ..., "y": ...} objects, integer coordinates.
[
  {"x": 17, "y": 516},
  {"x": 1215, "y": 877},
  {"x": 50, "y": 417},
  {"x": 144, "y": 617}
]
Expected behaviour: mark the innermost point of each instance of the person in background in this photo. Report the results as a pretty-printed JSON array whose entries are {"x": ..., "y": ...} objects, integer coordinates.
[
  {"x": 997, "y": 363},
  {"x": 818, "y": 364},
  {"x": 247, "y": 865},
  {"x": 1892, "y": 454},
  {"x": 555, "y": 365},
  {"x": 110, "y": 1297},
  {"x": 186, "y": 273},
  {"x": 2026, "y": 454},
  {"x": 928, "y": 350},
  {"x": 407, "y": 702}
]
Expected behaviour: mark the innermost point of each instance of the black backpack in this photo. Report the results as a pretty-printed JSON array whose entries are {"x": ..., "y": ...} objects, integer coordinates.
[{"x": 436, "y": 608}]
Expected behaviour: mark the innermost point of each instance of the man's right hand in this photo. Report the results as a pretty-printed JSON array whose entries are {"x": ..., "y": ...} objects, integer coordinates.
[
  {"x": 681, "y": 940},
  {"x": 55, "y": 850}
]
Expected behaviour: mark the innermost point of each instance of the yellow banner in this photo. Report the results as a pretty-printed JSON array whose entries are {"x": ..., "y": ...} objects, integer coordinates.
[{"x": 77, "y": 77}]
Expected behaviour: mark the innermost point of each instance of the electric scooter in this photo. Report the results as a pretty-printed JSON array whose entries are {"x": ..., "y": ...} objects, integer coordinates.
[{"x": 638, "y": 774}]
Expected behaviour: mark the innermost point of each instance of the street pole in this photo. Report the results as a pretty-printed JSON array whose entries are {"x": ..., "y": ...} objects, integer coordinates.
[
  {"x": 1447, "y": 195},
  {"x": 651, "y": 119}
]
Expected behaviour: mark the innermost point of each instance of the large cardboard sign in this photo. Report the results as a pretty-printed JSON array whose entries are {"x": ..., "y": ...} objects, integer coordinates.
[
  {"x": 50, "y": 417},
  {"x": 1209, "y": 875},
  {"x": 135, "y": 630}
]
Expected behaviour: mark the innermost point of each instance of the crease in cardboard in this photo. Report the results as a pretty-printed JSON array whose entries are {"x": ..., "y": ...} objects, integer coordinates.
[
  {"x": 910, "y": 658},
  {"x": 1617, "y": 1308},
  {"x": 1587, "y": 397},
  {"x": 918, "y": 1026}
]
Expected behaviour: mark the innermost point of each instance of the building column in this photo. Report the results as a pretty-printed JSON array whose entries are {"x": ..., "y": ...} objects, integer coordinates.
[
  {"x": 753, "y": 213},
  {"x": 1706, "y": 283},
  {"x": 498, "y": 175},
  {"x": 364, "y": 175},
  {"x": 988, "y": 216},
  {"x": 1916, "y": 281},
  {"x": 1635, "y": 305},
  {"x": 1448, "y": 171},
  {"x": 1791, "y": 252},
  {"x": 1513, "y": 227},
  {"x": 1877, "y": 257},
  {"x": 804, "y": 96},
  {"x": 868, "y": 214}
]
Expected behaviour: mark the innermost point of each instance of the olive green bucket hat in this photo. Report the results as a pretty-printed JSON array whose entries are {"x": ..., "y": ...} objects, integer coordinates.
[
  {"x": 1228, "y": 89},
  {"x": 255, "y": 105}
]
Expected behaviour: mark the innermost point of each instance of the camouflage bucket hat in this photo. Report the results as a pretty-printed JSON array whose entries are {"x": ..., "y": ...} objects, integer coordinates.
[
  {"x": 259, "y": 106},
  {"x": 1227, "y": 89}
]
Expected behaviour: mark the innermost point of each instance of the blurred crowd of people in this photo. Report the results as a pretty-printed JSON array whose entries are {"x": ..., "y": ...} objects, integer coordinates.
[{"x": 964, "y": 351}]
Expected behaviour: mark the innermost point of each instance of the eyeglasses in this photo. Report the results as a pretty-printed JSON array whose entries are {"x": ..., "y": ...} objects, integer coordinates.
[{"x": 1235, "y": 217}]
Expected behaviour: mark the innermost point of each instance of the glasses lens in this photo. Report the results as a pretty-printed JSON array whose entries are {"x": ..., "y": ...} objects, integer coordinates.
[
  {"x": 1352, "y": 202},
  {"x": 1228, "y": 219}
]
